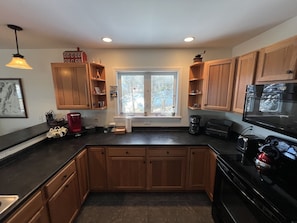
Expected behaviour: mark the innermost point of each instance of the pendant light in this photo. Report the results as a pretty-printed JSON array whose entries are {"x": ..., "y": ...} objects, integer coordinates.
[{"x": 18, "y": 60}]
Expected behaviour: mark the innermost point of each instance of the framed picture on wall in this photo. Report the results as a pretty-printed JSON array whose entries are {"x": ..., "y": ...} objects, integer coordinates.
[{"x": 12, "y": 103}]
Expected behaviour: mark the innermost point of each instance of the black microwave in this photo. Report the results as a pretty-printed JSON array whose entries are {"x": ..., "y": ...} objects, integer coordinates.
[{"x": 272, "y": 106}]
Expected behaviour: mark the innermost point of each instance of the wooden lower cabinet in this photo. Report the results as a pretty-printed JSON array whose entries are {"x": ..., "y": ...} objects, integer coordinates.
[
  {"x": 63, "y": 195},
  {"x": 33, "y": 211},
  {"x": 210, "y": 180},
  {"x": 197, "y": 171},
  {"x": 166, "y": 168},
  {"x": 81, "y": 161},
  {"x": 97, "y": 168},
  {"x": 126, "y": 168}
]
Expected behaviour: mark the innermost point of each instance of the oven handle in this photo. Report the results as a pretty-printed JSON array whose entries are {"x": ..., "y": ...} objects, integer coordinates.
[{"x": 237, "y": 183}]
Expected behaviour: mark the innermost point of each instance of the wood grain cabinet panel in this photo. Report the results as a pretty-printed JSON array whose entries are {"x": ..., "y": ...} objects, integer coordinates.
[
  {"x": 97, "y": 168},
  {"x": 197, "y": 172},
  {"x": 126, "y": 168},
  {"x": 278, "y": 62},
  {"x": 33, "y": 211},
  {"x": 64, "y": 204},
  {"x": 218, "y": 88},
  {"x": 166, "y": 168},
  {"x": 245, "y": 74},
  {"x": 81, "y": 161},
  {"x": 211, "y": 173},
  {"x": 71, "y": 85}
]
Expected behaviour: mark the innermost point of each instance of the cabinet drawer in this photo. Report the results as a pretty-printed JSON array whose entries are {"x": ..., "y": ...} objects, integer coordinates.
[
  {"x": 28, "y": 210},
  {"x": 167, "y": 152},
  {"x": 126, "y": 151},
  {"x": 60, "y": 178}
]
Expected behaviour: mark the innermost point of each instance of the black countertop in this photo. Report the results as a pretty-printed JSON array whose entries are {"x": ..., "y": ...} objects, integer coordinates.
[{"x": 26, "y": 172}]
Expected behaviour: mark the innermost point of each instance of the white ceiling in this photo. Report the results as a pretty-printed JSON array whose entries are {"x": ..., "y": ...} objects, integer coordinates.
[{"x": 138, "y": 23}]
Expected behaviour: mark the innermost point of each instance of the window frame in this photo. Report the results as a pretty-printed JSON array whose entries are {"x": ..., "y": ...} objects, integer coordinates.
[{"x": 151, "y": 72}]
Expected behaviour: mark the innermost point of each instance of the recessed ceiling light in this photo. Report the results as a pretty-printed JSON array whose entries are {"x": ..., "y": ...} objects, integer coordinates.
[
  {"x": 189, "y": 39},
  {"x": 106, "y": 39}
]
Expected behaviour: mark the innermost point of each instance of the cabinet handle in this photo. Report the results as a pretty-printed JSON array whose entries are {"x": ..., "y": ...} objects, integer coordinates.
[
  {"x": 193, "y": 153},
  {"x": 64, "y": 177},
  {"x": 102, "y": 153},
  {"x": 289, "y": 71},
  {"x": 150, "y": 162},
  {"x": 167, "y": 152},
  {"x": 127, "y": 152}
]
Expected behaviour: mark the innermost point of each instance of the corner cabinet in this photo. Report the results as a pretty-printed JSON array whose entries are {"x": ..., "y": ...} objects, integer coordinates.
[
  {"x": 245, "y": 73},
  {"x": 219, "y": 75},
  {"x": 195, "y": 86},
  {"x": 79, "y": 85},
  {"x": 278, "y": 62}
]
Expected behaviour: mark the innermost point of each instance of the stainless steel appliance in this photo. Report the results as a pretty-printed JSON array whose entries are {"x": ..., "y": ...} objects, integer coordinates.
[
  {"x": 244, "y": 194},
  {"x": 194, "y": 127},
  {"x": 249, "y": 144}
]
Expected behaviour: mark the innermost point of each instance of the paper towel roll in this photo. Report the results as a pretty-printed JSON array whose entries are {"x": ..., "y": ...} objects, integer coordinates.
[{"x": 128, "y": 125}]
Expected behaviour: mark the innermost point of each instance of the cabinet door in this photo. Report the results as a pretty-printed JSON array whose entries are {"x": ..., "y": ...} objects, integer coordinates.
[
  {"x": 126, "y": 173},
  {"x": 245, "y": 73},
  {"x": 219, "y": 75},
  {"x": 278, "y": 62},
  {"x": 166, "y": 168},
  {"x": 64, "y": 204},
  {"x": 82, "y": 174},
  {"x": 197, "y": 168},
  {"x": 71, "y": 85},
  {"x": 211, "y": 173},
  {"x": 97, "y": 168}
]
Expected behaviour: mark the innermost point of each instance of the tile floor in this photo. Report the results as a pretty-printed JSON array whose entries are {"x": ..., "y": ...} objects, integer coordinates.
[{"x": 146, "y": 208}]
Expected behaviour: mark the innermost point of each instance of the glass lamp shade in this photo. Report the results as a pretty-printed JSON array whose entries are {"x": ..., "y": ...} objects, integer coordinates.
[{"x": 19, "y": 62}]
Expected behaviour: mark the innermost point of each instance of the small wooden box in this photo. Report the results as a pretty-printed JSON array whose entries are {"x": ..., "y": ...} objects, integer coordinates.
[{"x": 74, "y": 56}]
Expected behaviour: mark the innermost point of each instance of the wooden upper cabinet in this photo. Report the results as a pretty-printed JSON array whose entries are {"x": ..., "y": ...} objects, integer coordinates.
[
  {"x": 278, "y": 62},
  {"x": 71, "y": 85},
  {"x": 245, "y": 74},
  {"x": 219, "y": 75}
]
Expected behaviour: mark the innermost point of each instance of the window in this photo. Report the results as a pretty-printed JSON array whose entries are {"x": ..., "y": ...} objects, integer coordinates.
[{"x": 147, "y": 93}]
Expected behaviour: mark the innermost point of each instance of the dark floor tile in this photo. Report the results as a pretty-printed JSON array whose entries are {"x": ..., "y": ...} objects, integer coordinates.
[{"x": 146, "y": 208}]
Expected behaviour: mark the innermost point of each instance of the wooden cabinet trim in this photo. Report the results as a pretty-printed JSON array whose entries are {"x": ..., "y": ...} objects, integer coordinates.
[{"x": 60, "y": 178}]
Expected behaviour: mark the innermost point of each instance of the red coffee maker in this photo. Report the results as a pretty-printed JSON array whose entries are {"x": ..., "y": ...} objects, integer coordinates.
[{"x": 74, "y": 122}]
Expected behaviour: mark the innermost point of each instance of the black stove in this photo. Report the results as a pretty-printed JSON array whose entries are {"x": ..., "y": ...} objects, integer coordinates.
[{"x": 273, "y": 192}]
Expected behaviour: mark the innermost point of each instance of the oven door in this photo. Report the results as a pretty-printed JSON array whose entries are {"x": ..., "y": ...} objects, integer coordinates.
[{"x": 235, "y": 201}]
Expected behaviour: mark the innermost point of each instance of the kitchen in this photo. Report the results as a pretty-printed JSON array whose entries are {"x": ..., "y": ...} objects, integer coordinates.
[{"x": 39, "y": 80}]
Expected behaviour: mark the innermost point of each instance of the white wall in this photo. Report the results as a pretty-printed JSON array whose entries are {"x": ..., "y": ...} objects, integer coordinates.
[
  {"x": 280, "y": 32},
  {"x": 38, "y": 84}
]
